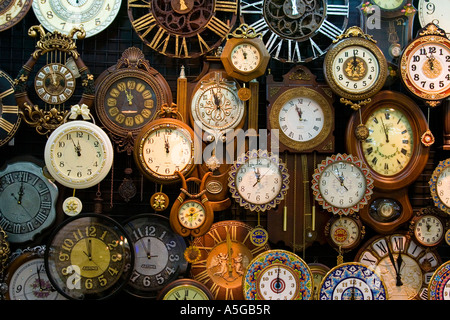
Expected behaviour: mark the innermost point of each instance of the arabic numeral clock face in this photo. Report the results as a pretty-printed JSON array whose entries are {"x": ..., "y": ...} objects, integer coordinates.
[
  {"x": 27, "y": 201},
  {"x": 54, "y": 83},
  {"x": 440, "y": 186},
  {"x": 295, "y": 31},
  {"x": 62, "y": 16},
  {"x": 433, "y": 11},
  {"x": 12, "y": 12},
  {"x": 185, "y": 289},
  {"x": 78, "y": 154},
  {"x": 342, "y": 184},
  {"x": 159, "y": 254},
  {"x": 245, "y": 57},
  {"x": 428, "y": 230},
  {"x": 352, "y": 281}
]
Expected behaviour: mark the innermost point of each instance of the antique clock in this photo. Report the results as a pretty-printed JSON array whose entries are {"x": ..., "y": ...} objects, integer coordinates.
[
  {"x": 278, "y": 275},
  {"x": 342, "y": 184},
  {"x": 438, "y": 288},
  {"x": 344, "y": 233},
  {"x": 424, "y": 65},
  {"x": 392, "y": 152},
  {"x": 5, "y": 250},
  {"x": 355, "y": 68},
  {"x": 185, "y": 289},
  {"x": 182, "y": 29},
  {"x": 12, "y": 12},
  {"x": 158, "y": 258},
  {"x": 405, "y": 265},
  {"x": 89, "y": 257},
  {"x": 55, "y": 83},
  {"x": 27, "y": 201},
  {"x": 258, "y": 180},
  {"x": 128, "y": 96},
  {"x": 433, "y": 11},
  {"x": 295, "y": 31},
  {"x": 390, "y": 23},
  {"x": 26, "y": 278},
  {"x": 225, "y": 251},
  {"x": 439, "y": 186},
  {"x": 10, "y": 118},
  {"x": 353, "y": 281},
  {"x": 192, "y": 213},
  {"x": 164, "y": 147},
  {"x": 93, "y": 16},
  {"x": 318, "y": 271},
  {"x": 428, "y": 226}
]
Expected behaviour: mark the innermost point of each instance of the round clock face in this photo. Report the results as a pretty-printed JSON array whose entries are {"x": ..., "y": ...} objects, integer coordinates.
[
  {"x": 389, "y": 5},
  {"x": 352, "y": 281},
  {"x": 63, "y": 15},
  {"x": 191, "y": 214},
  {"x": 440, "y": 185},
  {"x": 216, "y": 106},
  {"x": 28, "y": 280},
  {"x": 9, "y": 111},
  {"x": 342, "y": 184},
  {"x": 344, "y": 232},
  {"x": 128, "y": 100},
  {"x": 439, "y": 286},
  {"x": 12, "y": 12},
  {"x": 245, "y": 57},
  {"x": 433, "y": 11},
  {"x": 404, "y": 264},
  {"x": 163, "y": 148},
  {"x": 258, "y": 180},
  {"x": 158, "y": 254},
  {"x": 295, "y": 31},
  {"x": 89, "y": 257},
  {"x": 428, "y": 230},
  {"x": 27, "y": 201},
  {"x": 318, "y": 271},
  {"x": 278, "y": 275},
  {"x": 54, "y": 83},
  {"x": 389, "y": 147},
  {"x": 78, "y": 154},
  {"x": 185, "y": 289}
]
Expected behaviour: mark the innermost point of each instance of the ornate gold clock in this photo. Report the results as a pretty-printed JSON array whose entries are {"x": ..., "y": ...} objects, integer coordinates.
[
  {"x": 55, "y": 83},
  {"x": 225, "y": 252},
  {"x": 439, "y": 186},
  {"x": 392, "y": 152},
  {"x": 10, "y": 118},
  {"x": 182, "y": 28}
]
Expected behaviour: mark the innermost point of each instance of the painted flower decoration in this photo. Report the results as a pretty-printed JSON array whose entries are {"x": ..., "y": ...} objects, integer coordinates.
[
  {"x": 367, "y": 8},
  {"x": 408, "y": 10}
]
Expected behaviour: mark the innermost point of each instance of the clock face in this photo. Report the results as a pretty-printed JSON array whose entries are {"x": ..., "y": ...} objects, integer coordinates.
[
  {"x": 158, "y": 254},
  {"x": 182, "y": 29},
  {"x": 318, "y": 271},
  {"x": 344, "y": 232},
  {"x": 191, "y": 214},
  {"x": 389, "y": 4},
  {"x": 216, "y": 106},
  {"x": 245, "y": 57},
  {"x": 62, "y": 15},
  {"x": 293, "y": 30},
  {"x": 89, "y": 257},
  {"x": 439, "y": 286},
  {"x": 164, "y": 149},
  {"x": 27, "y": 201},
  {"x": 186, "y": 293},
  {"x": 278, "y": 275},
  {"x": 54, "y": 83},
  {"x": 404, "y": 264},
  {"x": 352, "y": 281},
  {"x": 428, "y": 230},
  {"x": 12, "y": 12},
  {"x": 10, "y": 119},
  {"x": 434, "y": 11},
  {"x": 389, "y": 147},
  {"x": 439, "y": 185},
  {"x": 78, "y": 154}
]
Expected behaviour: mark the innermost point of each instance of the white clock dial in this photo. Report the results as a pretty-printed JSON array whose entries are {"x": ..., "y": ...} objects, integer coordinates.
[
  {"x": 278, "y": 282},
  {"x": 389, "y": 4},
  {"x": 301, "y": 119},
  {"x": 191, "y": 214},
  {"x": 344, "y": 232},
  {"x": 245, "y": 57},
  {"x": 434, "y": 11},
  {"x": 428, "y": 230},
  {"x": 443, "y": 186}
]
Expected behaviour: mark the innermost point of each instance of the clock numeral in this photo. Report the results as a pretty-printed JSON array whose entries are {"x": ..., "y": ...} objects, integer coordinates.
[
  {"x": 219, "y": 27},
  {"x": 147, "y": 21},
  {"x": 330, "y": 30},
  {"x": 337, "y": 9},
  {"x": 145, "y": 4},
  {"x": 6, "y": 125},
  {"x": 5, "y": 94},
  {"x": 156, "y": 42},
  {"x": 251, "y": 7},
  {"x": 228, "y": 6}
]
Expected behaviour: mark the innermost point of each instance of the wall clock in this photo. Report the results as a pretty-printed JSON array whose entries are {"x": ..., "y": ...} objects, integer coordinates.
[
  {"x": 438, "y": 286},
  {"x": 424, "y": 64},
  {"x": 158, "y": 254},
  {"x": 428, "y": 226},
  {"x": 93, "y": 16},
  {"x": 393, "y": 154},
  {"x": 12, "y": 12},
  {"x": 54, "y": 83},
  {"x": 89, "y": 257},
  {"x": 185, "y": 289},
  {"x": 432, "y": 11},
  {"x": 278, "y": 275},
  {"x": 258, "y": 180},
  {"x": 342, "y": 184},
  {"x": 318, "y": 271},
  {"x": 296, "y": 32},
  {"x": 27, "y": 201},
  {"x": 439, "y": 184},
  {"x": 10, "y": 118},
  {"x": 225, "y": 252},
  {"x": 405, "y": 265},
  {"x": 355, "y": 68},
  {"x": 182, "y": 29},
  {"x": 26, "y": 278},
  {"x": 5, "y": 250},
  {"x": 128, "y": 96},
  {"x": 352, "y": 281}
]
